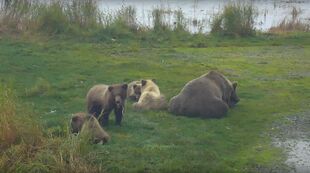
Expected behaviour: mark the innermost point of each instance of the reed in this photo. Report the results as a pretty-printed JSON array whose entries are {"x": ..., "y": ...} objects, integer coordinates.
[{"x": 293, "y": 23}]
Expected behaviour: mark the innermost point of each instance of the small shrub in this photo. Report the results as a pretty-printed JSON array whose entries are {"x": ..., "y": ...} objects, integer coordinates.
[
  {"x": 236, "y": 19},
  {"x": 52, "y": 18},
  {"x": 126, "y": 17},
  {"x": 159, "y": 23},
  {"x": 180, "y": 22},
  {"x": 122, "y": 25},
  {"x": 83, "y": 13}
]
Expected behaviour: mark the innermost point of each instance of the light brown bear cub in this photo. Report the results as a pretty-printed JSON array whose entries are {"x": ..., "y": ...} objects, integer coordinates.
[
  {"x": 102, "y": 99},
  {"x": 150, "y": 96},
  {"x": 89, "y": 125},
  {"x": 92, "y": 129},
  {"x": 208, "y": 96},
  {"x": 134, "y": 90}
]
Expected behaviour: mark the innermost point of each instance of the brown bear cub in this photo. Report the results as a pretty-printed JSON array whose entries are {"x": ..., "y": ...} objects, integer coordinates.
[
  {"x": 102, "y": 99},
  {"x": 134, "y": 90},
  {"x": 150, "y": 97},
  {"x": 77, "y": 121},
  {"x": 92, "y": 129},
  {"x": 208, "y": 96},
  {"x": 89, "y": 125}
]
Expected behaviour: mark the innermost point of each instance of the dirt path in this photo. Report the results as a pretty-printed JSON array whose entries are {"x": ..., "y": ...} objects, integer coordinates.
[{"x": 294, "y": 138}]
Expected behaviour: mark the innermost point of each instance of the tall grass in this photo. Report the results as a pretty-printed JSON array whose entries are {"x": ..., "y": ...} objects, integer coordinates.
[
  {"x": 83, "y": 19},
  {"x": 236, "y": 19},
  {"x": 159, "y": 23},
  {"x": 26, "y": 147},
  {"x": 16, "y": 15},
  {"x": 292, "y": 24},
  {"x": 73, "y": 16},
  {"x": 180, "y": 24},
  {"x": 54, "y": 16}
]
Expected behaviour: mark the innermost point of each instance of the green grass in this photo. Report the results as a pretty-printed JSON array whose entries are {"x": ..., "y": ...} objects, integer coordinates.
[
  {"x": 235, "y": 19},
  {"x": 273, "y": 77}
]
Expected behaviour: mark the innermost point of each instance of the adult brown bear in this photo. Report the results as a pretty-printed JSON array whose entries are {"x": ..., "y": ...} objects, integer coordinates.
[
  {"x": 102, "y": 99},
  {"x": 208, "y": 96}
]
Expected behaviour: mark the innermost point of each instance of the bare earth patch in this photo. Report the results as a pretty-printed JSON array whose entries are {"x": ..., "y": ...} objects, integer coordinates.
[{"x": 294, "y": 138}]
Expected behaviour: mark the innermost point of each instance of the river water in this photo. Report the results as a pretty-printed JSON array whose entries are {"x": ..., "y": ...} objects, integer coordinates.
[{"x": 270, "y": 12}]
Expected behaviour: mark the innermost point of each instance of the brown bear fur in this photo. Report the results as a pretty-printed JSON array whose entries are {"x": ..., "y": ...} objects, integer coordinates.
[
  {"x": 77, "y": 121},
  {"x": 102, "y": 99},
  {"x": 92, "y": 129},
  {"x": 150, "y": 97},
  {"x": 208, "y": 96},
  {"x": 134, "y": 90}
]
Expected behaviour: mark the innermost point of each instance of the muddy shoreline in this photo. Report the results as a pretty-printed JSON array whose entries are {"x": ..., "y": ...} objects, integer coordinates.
[{"x": 293, "y": 136}]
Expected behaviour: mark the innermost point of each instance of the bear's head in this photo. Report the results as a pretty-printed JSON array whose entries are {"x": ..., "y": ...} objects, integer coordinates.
[
  {"x": 77, "y": 122},
  {"x": 234, "y": 99},
  {"x": 147, "y": 82},
  {"x": 137, "y": 90},
  {"x": 119, "y": 94}
]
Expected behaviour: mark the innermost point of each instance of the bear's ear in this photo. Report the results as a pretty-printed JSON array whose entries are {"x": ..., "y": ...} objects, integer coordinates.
[
  {"x": 234, "y": 85},
  {"x": 134, "y": 86},
  {"x": 143, "y": 82},
  {"x": 125, "y": 86},
  {"x": 110, "y": 88},
  {"x": 154, "y": 80}
]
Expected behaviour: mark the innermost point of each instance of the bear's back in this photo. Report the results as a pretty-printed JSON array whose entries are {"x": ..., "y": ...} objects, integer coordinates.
[
  {"x": 93, "y": 128},
  {"x": 151, "y": 87},
  {"x": 97, "y": 93},
  {"x": 199, "y": 97}
]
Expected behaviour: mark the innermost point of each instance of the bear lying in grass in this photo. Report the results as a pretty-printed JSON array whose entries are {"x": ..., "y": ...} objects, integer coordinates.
[
  {"x": 103, "y": 99},
  {"x": 209, "y": 96},
  {"x": 150, "y": 96},
  {"x": 134, "y": 90},
  {"x": 88, "y": 125}
]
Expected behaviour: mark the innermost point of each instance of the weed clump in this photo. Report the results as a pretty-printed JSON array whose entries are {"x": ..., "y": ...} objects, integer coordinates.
[{"x": 236, "y": 19}]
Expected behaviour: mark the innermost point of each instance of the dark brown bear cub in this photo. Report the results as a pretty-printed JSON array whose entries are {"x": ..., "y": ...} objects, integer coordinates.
[
  {"x": 77, "y": 121},
  {"x": 102, "y": 99}
]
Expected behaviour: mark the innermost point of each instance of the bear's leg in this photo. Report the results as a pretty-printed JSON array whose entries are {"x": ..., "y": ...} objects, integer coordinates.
[
  {"x": 104, "y": 118},
  {"x": 219, "y": 109},
  {"x": 118, "y": 115},
  {"x": 95, "y": 110}
]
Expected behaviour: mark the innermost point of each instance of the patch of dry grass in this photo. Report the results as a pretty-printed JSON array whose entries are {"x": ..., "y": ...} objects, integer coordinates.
[
  {"x": 292, "y": 24},
  {"x": 25, "y": 147}
]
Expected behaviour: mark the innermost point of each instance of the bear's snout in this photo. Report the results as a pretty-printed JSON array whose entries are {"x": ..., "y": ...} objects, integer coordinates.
[
  {"x": 234, "y": 102},
  {"x": 118, "y": 102}
]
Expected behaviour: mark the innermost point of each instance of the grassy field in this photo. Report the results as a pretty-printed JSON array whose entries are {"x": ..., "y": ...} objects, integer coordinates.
[{"x": 53, "y": 75}]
